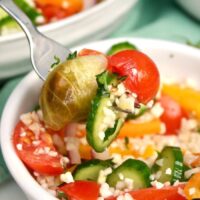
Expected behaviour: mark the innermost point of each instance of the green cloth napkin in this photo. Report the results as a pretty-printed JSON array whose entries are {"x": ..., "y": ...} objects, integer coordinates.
[{"x": 161, "y": 19}]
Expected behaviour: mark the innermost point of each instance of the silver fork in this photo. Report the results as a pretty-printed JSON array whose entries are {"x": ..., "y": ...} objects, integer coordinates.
[{"x": 42, "y": 49}]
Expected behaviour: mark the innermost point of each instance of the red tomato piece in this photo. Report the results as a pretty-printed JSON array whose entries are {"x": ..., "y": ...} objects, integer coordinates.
[
  {"x": 142, "y": 74},
  {"x": 51, "y": 12},
  {"x": 173, "y": 114},
  {"x": 167, "y": 193},
  {"x": 81, "y": 190},
  {"x": 42, "y": 163},
  {"x": 59, "y": 9},
  {"x": 87, "y": 52}
]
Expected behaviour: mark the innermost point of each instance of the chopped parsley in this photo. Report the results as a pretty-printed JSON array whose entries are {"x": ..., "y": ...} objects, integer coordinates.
[
  {"x": 37, "y": 107},
  {"x": 72, "y": 55},
  {"x": 126, "y": 141},
  {"x": 57, "y": 61},
  {"x": 61, "y": 195}
]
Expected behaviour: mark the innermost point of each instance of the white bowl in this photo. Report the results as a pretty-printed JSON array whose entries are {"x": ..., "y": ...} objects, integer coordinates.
[
  {"x": 94, "y": 23},
  {"x": 191, "y": 6},
  {"x": 173, "y": 60}
]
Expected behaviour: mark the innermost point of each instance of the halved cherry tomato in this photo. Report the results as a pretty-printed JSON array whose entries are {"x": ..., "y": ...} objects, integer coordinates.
[
  {"x": 166, "y": 193},
  {"x": 59, "y": 9},
  {"x": 142, "y": 74},
  {"x": 81, "y": 190},
  {"x": 42, "y": 163},
  {"x": 173, "y": 114},
  {"x": 87, "y": 52}
]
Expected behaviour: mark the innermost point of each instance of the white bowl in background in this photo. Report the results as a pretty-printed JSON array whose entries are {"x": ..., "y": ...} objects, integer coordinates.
[
  {"x": 94, "y": 23},
  {"x": 173, "y": 60},
  {"x": 191, "y": 6}
]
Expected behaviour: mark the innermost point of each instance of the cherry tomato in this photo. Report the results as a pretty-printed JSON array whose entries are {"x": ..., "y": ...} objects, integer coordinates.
[
  {"x": 173, "y": 114},
  {"x": 81, "y": 190},
  {"x": 87, "y": 52},
  {"x": 142, "y": 74},
  {"x": 59, "y": 9},
  {"x": 42, "y": 163},
  {"x": 167, "y": 193}
]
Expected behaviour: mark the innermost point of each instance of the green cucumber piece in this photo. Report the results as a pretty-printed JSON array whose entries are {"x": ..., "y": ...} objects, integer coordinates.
[
  {"x": 3, "y": 14},
  {"x": 135, "y": 170},
  {"x": 172, "y": 161},
  {"x": 30, "y": 11},
  {"x": 6, "y": 22},
  {"x": 96, "y": 116},
  {"x": 8, "y": 25},
  {"x": 120, "y": 47},
  {"x": 89, "y": 170},
  {"x": 95, "y": 119}
]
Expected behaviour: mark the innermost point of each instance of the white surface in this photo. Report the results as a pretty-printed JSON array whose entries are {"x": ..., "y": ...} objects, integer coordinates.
[
  {"x": 191, "y": 6},
  {"x": 9, "y": 190},
  {"x": 173, "y": 60},
  {"x": 94, "y": 23}
]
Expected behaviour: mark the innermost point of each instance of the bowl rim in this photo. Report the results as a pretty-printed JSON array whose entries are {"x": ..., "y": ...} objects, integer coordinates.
[
  {"x": 23, "y": 177},
  {"x": 61, "y": 23}
]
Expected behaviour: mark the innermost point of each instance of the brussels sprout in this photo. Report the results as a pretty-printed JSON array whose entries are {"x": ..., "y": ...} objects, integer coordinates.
[{"x": 69, "y": 89}]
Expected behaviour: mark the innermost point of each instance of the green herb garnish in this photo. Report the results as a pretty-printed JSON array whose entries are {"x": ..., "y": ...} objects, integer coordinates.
[
  {"x": 61, "y": 195},
  {"x": 126, "y": 141},
  {"x": 72, "y": 55},
  {"x": 57, "y": 61},
  {"x": 37, "y": 107}
]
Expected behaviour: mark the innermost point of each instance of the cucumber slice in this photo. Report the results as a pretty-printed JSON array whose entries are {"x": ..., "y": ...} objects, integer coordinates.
[
  {"x": 172, "y": 167},
  {"x": 29, "y": 10},
  {"x": 89, "y": 170},
  {"x": 8, "y": 25},
  {"x": 97, "y": 115},
  {"x": 120, "y": 47},
  {"x": 135, "y": 170},
  {"x": 6, "y": 22},
  {"x": 3, "y": 14},
  {"x": 95, "y": 120}
]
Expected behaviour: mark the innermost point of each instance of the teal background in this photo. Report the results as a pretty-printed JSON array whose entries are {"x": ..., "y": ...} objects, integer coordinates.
[{"x": 161, "y": 19}]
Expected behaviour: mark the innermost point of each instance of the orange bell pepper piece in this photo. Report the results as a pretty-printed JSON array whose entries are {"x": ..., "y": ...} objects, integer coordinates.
[
  {"x": 85, "y": 152},
  {"x": 135, "y": 129},
  {"x": 192, "y": 188}
]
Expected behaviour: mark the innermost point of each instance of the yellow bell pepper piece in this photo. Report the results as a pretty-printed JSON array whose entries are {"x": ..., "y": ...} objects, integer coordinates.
[
  {"x": 130, "y": 151},
  {"x": 187, "y": 97}
]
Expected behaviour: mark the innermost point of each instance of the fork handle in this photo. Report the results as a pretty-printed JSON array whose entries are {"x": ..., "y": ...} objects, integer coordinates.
[{"x": 10, "y": 7}]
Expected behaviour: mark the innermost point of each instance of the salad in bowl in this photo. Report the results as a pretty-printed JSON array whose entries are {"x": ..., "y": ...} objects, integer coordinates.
[
  {"x": 109, "y": 124},
  {"x": 43, "y": 12}
]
